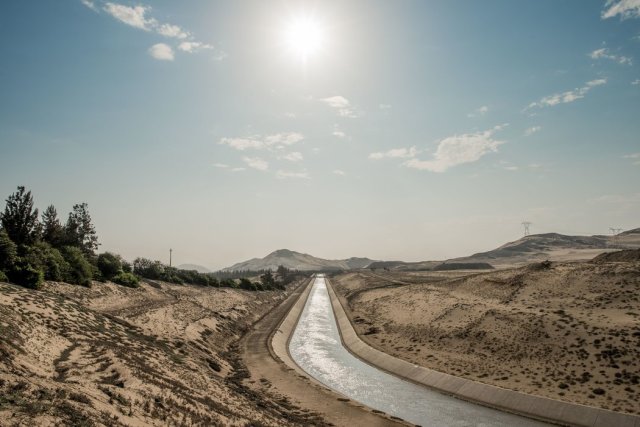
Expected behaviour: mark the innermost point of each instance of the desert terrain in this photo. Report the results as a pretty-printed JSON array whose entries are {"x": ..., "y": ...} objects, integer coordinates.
[
  {"x": 563, "y": 330},
  {"x": 161, "y": 354}
]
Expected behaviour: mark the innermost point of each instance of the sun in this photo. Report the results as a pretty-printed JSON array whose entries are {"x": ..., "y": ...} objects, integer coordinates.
[{"x": 304, "y": 36}]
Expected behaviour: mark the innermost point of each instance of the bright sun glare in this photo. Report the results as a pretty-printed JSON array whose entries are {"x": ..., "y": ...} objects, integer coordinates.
[{"x": 304, "y": 36}]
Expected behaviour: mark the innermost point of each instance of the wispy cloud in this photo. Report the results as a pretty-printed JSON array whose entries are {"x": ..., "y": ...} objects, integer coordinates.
[
  {"x": 635, "y": 158},
  {"x": 459, "y": 149},
  {"x": 292, "y": 175},
  {"x": 139, "y": 17},
  {"x": 256, "y": 163},
  {"x": 530, "y": 131},
  {"x": 398, "y": 153},
  {"x": 604, "y": 53},
  {"x": 384, "y": 107},
  {"x": 220, "y": 165},
  {"x": 131, "y": 15},
  {"x": 192, "y": 47},
  {"x": 342, "y": 105},
  {"x": 339, "y": 172},
  {"x": 90, "y": 4},
  {"x": 479, "y": 112},
  {"x": 567, "y": 97},
  {"x": 636, "y": 82},
  {"x": 162, "y": 52},
  {"x": 624, "y": 8},
  {"x": 295, "y": 156},
  {"x": 258, "y": 142}
]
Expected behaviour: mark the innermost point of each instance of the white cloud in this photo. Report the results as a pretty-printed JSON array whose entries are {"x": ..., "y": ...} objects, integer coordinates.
[
  {"x": 283, "y": 138},
  {"x": 479, "y": 112},
  {"x": 339, "y": 134},
  {"x": 339, "y": 172},
  {"x": 131, "y": 15},
  {"x": 256, "y": 163},
  {"x": 138, "y": 17},
  {"x": 636, "y": 82},
  {"x": 90, "y": 4},
  {"x": 295, "y": 156},
  {"x": 603, "y": 53},
  {"x": 258, "y": 142},
  {"x": 221, "y": 165},
  {"x": 567, "y": 97},
  {"x": 384, "y": 107},
  {"x": 237, "y": 169},
  {"x": 292, "y": 175},
  {"x": 192, "y": 47},
  {"x": 341, "y": 104},
  {"x": 511, "y": 168},
  {"x": 459, "y": 149},
  {"x": 162, "y": 52},
  {"x": 624, "y": 8},
  {"x": 170, "y": 30},
  {"x": 401, "y": 153},
  {"x": 635, "y": 158},
  {"x": 530, "y": 131}
]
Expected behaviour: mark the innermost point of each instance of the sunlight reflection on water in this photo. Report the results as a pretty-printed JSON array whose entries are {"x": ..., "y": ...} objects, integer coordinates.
[{"x": 316, "y": 347}]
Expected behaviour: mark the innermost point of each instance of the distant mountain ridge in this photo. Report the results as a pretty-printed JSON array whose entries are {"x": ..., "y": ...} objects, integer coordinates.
[
  {"x": 298, "y": 261},
  {"x": 198, "y": 268}
]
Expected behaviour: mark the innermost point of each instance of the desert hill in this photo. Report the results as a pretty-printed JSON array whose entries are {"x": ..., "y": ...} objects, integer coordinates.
[
  {"x": 196, "y": 267},
  {"x": 298, "y": 261}
]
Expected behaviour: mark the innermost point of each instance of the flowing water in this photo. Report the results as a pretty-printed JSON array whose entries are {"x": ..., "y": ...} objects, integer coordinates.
[{"x": 317, "y": 348}]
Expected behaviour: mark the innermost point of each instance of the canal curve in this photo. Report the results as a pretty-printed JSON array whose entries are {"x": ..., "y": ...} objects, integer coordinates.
[{"x": 316, "y": 347}]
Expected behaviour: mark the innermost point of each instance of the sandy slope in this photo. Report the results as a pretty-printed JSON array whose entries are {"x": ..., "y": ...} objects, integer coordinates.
[
  {"x": 570, "y": 331},
  {"x": 110, "y": 355}
]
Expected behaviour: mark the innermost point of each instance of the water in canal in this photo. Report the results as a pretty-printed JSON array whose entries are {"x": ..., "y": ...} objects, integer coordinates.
[{"x": 316, "y": 347}]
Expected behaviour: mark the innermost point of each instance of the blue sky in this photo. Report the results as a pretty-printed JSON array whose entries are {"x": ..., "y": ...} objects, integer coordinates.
[{"x": 414, "y": 130}]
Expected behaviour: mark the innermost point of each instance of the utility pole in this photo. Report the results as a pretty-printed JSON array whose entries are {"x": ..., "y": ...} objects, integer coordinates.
[
  {"x": 526, "y": 225},
  {"x": 170, "y": 253}
]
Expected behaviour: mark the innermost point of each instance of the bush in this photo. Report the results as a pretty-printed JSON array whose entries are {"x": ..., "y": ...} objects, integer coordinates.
[
  {"x": 3, "y": 277},
  {"x": 129, "y": 280},
  {"x": 24, "y": 274},
  {"x": 8, "y": 251},
  {"x": 80, "y": 270},
  {"x": 110, "y": 265},
  {"x": 47, "y": 259}
]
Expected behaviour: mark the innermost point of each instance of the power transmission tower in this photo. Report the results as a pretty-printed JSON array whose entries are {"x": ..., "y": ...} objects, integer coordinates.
[
  {"x": 526, "y": 225},
  {"x": 614, "y": 235},
  {"x": 170, "y": 254}
]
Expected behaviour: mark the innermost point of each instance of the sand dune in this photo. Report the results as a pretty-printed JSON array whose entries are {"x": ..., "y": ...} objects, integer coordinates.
[
  {"x": 109, "y": 355},
  {"x": 569, "y": 331}
]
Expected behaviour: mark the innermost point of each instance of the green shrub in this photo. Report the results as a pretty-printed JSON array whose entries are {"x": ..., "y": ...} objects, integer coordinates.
[
  {"x": 129, "y": 280},
  {"x": 24, "y": 274},
  {"x": 80, "y": 270},
  {"x": 3, "y": 277},
  {"x": 110, "y": 265},
  {"x": 8, "y": 251},
  {"x": 42, "y": 256}
]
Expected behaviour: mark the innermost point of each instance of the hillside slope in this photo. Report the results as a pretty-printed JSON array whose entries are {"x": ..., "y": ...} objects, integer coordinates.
[{"x": 297, "y": 261}]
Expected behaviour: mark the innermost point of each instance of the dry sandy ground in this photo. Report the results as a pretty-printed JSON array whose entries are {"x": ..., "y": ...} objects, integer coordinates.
[
  {"x": 568, "y": 331},
  {"x": 109, "y": 355}
]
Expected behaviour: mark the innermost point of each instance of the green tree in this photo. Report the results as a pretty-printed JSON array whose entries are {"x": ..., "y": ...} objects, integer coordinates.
[
  {"x": 267, "y": 280},
  {"x": 110, "y": 265},
  {"x": 8, "y": 252},
  {"x": 52, "y": 229},
  {"x": 80, "y": 231},
  {"x": 20, "y": 219},
  {"x": 80, "y": 271},
  {"x": 49, "y": 260}
]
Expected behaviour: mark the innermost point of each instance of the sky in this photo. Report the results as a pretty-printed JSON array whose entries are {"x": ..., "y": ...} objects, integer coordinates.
[{"x": 405, "y": 130}]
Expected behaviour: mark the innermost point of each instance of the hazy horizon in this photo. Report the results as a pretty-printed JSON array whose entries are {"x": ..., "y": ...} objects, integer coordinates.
[{"x": 394, "y": 131}]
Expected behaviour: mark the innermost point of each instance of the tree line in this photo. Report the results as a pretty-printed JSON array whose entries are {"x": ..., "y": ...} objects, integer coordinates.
[{"x": 34, "y": 248}]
